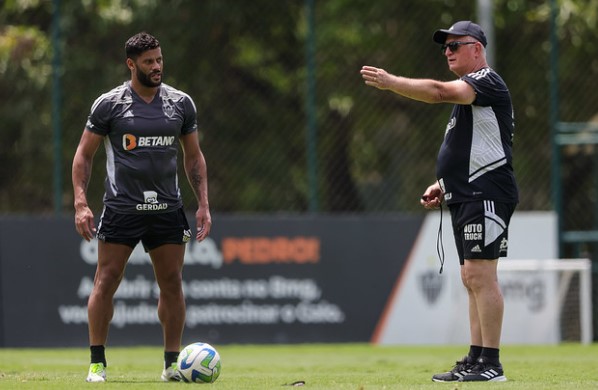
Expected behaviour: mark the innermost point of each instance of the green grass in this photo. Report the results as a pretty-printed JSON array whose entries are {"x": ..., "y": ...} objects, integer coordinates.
[{"x": 321, "y": 366}]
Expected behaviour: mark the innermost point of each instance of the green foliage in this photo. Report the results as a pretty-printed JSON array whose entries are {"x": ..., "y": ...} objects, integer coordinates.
[
  {"x": 245, "y": 65},
  {"x": 25, "y": 57}
]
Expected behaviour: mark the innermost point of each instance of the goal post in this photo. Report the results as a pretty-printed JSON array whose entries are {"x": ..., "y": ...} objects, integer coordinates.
[{"x": 568, "y": 288}]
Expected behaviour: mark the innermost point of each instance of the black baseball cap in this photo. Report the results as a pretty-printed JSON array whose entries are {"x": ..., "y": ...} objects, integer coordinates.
[{"x": 462, "y": 28}]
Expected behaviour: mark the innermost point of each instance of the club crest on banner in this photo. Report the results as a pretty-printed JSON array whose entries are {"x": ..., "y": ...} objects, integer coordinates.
[{"x": 431, "y": 285}]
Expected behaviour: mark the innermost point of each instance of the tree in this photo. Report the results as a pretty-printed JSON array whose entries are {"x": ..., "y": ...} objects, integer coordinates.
[{"x": 245, "y": 66}]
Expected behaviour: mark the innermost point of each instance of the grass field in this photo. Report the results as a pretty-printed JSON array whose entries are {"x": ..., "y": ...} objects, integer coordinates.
[{"x": 321, "y": 366}]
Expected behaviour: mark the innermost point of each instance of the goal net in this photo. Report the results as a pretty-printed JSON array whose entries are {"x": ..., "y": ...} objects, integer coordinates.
[{"x": 557, "y": 291}]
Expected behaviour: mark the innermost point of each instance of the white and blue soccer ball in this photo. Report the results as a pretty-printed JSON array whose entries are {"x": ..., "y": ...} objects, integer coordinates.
[{"x": 199, "y": 363}]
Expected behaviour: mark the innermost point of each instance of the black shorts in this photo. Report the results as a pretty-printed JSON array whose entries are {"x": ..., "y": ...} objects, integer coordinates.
[
  {"x": 481, "y": 229},
  {"x": 153, "y": 230}
]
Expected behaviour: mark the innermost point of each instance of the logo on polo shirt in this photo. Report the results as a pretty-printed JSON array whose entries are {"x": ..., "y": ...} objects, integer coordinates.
[
  {"x": 131, "y": 142},
  {"x": 151, "y": 202}
]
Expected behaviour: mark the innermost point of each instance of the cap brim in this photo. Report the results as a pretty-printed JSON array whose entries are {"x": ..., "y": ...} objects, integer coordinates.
[{"x": 440, "y": 35}]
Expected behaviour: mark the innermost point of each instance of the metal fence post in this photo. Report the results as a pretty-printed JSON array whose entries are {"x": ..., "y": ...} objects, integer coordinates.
[
  {"x": 310, "y": 103},
  {"x": 57, "y": 105}
]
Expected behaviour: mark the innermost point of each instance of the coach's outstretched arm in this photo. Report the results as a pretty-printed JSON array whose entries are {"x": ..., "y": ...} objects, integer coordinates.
[{"x": 423, "y": 90}]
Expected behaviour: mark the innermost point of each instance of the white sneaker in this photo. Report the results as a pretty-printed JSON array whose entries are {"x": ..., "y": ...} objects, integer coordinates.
[
  {"x": 97, "y": 373},
  {"x": 171, "y": 374}
]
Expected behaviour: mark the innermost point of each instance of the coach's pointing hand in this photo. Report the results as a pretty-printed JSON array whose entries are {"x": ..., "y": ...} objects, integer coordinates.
[{"x": 375, "y": 77}]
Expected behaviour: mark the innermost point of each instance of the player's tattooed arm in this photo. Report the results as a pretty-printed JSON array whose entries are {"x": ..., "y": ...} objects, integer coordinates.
[
  {"x": 197, "y": 179},
  {"x": 81, "y": 174},
  {"x": 80, "y": 183},
  {"x": 82, "y": 164}
]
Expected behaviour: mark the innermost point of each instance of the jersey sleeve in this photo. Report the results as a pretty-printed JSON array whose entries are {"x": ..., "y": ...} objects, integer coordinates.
[
  {"x": 489, "y": 87},
  {"x": 99, "y": 118},
  {"x": 190, "y": 116}
]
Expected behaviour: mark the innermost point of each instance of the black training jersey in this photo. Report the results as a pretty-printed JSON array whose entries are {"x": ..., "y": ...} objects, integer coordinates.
[
  {"x": 141, "y": 141},
  {"x": 475, "y": 159}
]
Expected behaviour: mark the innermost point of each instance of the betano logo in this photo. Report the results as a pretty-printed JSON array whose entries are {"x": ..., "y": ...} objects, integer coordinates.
[
  {"x": 268, "y": 250},
  {"x": 131, "y": 142}
]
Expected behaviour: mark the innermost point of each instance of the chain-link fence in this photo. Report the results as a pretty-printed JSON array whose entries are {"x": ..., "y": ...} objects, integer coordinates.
[{"x": 287, "y": 125}]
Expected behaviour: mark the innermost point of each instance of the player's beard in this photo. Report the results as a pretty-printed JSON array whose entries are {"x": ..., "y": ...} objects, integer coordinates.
[{"x": 146, "y": 80}]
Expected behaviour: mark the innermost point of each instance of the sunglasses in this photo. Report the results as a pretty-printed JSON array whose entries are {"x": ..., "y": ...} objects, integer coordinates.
[{"x": 454, "y": 46}]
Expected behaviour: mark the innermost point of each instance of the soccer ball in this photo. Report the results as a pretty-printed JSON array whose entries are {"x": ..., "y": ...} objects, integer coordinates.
[{"x": 199, "y": 363}]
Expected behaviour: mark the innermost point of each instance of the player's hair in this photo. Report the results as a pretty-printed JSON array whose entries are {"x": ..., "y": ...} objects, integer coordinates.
[{"x": 140, "y": 43}]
